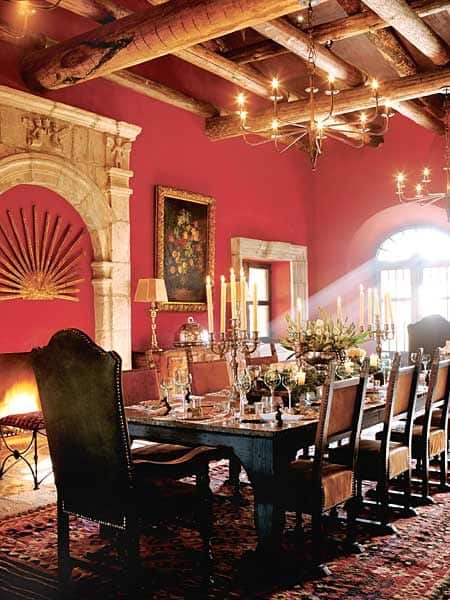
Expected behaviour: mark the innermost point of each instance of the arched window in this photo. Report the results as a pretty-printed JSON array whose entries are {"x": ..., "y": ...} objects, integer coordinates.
[{"x": 414, "y": 266}]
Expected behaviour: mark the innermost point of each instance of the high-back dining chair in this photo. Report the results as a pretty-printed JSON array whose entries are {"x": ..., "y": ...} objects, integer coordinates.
[
  {"x": 96, "y": 476},
  {"x": 429, "y": 333},
  {"x": 319, "y": 485},
  {"x": 382, "y": 459},
  {"x": 208, "y": 376},
  {"x": 430, "y": 434}
]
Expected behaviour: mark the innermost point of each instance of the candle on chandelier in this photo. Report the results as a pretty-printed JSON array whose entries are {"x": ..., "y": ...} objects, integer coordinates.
[
  {"x": 388, "y": 301},
  {"x": 243, "y": 301},
  {"x": 233, "y": 293},
  {"x": 339, "y": 308},
  {"x": 301, "y": 377},
  {"x": 369, "y": 306},
  {"x": 426, "y": 175},
  {"x": 209, "y": 305},
  {"x": 361, "y": 305},
  {"x": 298, "y": 316},
  {"x": 255, "y": 308},
  {"x": 223, "y": 303}
]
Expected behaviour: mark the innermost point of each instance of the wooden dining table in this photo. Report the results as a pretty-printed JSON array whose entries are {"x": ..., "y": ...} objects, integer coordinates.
[{"x": 264, "y": 450}]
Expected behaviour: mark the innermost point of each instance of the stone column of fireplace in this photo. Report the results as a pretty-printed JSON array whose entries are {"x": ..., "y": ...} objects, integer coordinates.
[{"x": 84, "y": 157}]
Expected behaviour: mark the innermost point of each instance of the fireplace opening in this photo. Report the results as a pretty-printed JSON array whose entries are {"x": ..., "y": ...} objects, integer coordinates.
[{"x": 18, "y": 387}]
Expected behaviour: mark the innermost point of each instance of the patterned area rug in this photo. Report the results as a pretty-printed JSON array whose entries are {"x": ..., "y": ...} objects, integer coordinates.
[{"x": 413, "y": 565}]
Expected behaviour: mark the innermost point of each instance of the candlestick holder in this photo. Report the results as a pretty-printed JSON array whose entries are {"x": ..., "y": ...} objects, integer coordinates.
[
  {"x": 379, "y": 333},
  {"x": 231, "y": 343}
]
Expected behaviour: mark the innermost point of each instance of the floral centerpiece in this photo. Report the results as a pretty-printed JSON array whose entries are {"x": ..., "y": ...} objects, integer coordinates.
[{"x": 322, "y": 339}]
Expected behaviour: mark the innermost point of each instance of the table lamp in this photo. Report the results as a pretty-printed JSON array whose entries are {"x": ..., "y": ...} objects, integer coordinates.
[{"x": 152, "y": 291}]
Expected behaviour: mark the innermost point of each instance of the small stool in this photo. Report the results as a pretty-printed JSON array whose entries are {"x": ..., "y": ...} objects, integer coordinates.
[{"x": 34, "y": 422}]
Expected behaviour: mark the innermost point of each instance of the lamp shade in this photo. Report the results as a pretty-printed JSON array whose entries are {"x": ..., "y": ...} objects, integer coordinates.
[{"x": 151, "y": 290}]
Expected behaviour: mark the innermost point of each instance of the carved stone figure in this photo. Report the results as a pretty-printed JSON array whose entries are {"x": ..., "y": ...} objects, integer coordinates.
[{"x": 119, "y": 152}]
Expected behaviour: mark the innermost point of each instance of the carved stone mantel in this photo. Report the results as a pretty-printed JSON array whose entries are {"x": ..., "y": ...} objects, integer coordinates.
[{"x": 84, "y": 157}]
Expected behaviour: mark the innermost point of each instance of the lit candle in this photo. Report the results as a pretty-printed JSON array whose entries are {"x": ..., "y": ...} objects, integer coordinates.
[
  {"x": 339, "y": 308},
  {"x": 301, "y": 377},
  {"x": 209, "y": 305},
  {"x": 373, "y": 360},
  {"x": 255, "y": 307},
  {"x": 376, "y": 305},
  {"x": 299, "y": 314},
  {"x": 389, "y": 318},
  {"x": 361, "y": 305},
  {"x": 233, "y": 293},
  {"x": 223, "y": 303},
  {"x": 369, "y": 306},
  {"x": 243, "y": 301}
]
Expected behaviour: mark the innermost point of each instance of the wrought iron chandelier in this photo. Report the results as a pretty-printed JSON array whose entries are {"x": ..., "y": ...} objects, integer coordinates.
[
  {"x": 423, "y": 196},
  {"x": 310, "y": 135},
  {"x": 25, "y": 10}
]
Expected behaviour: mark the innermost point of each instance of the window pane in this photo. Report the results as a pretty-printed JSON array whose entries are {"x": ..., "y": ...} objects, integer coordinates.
[
  {"x": 398, "y": 283},
  {"x": 434, "y": 293},
  {"x": 431, "y": 244},
  {"x": 260, "y": 276},
  {"x": 263, "y": 321}
]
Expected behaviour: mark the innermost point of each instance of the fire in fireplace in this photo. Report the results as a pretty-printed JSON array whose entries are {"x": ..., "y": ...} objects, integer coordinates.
[{"x": 18, "y": 388}]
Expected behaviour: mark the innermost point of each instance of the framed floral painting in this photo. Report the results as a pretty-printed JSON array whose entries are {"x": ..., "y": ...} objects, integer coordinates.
[{"x": 185, "y": 230}]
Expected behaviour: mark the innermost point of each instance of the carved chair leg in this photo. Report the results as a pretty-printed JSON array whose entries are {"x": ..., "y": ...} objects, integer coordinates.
[
  {"x": 299, "y": 533},
  {"x": 407, "y": 490},
  {"x": 425, "y": 477},
  {"x": 319, "y": 568},
  {"x": 352, "y": 511},
  {"x": 443, "y": 471},
  {"x": 64, "y": 562},
  {"x": 383, "y": 498}
]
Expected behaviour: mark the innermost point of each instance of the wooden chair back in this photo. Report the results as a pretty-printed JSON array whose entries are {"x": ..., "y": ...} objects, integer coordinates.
[
  {"x": 438, "y": 394},
  {"x": 139, "y": 385},
  {"x": 341, "y": 412},
  {"x": 429, "y": 333},
  {"x": 400, "y": 400},
  {"x": 80, "y": 389},
  {"x": 209, "y": 376},
  {"x": 264, "y": 360}
]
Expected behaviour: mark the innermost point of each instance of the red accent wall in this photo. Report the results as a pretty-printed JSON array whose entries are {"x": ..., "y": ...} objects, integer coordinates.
[
  {"x": 355, "y": 208},
  {"x": 281, "y": 296},
  {"x": 25, "y": 324},
  {"x": 259, "y": 193}
]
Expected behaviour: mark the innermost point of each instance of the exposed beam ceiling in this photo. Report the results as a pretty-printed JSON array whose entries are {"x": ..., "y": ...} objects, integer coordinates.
[
  {"x": 143, "y": 36},
  {"x": 296, "y": 41},
  {"x": 350, "y": 100},
  {"x": 401, "y": 17}
]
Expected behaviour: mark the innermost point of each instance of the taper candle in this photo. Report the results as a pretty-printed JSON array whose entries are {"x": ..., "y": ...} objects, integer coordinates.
[
  {"x": 233, "y": 293},
  {"x": 376, "y": 304},
  {"x": 223, "y": 304},
  {"x": 299, "y": 314},
  {"x": 369, "y": 307},
  {"x": 209, "y": 305},
  {"x": 361, "y": 305},
  {"x": 339, "y": 308},
  {"x": 373, "y": 360},
  {"x": 255, "y": 308},
  {"x": 243, "y": 301}
]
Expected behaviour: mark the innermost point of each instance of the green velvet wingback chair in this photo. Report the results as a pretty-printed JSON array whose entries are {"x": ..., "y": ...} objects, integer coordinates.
[{"x": 95, "y": 472}]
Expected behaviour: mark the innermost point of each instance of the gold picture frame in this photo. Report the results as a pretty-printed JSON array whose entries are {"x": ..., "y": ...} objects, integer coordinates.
[{"x": 184, "y": 246}]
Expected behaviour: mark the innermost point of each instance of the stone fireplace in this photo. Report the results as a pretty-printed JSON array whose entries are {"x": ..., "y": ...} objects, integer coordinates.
[
  {"x": 84, "y": 157},
  {"x": 18, "y": 388}
]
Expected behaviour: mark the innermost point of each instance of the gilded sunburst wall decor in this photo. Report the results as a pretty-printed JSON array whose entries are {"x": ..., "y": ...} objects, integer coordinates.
[{"x": 39, "y": 257}]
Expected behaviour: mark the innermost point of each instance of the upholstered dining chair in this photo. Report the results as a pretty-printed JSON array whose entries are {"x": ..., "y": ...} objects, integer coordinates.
[
  {"x": 381, "y": 460},
  {"x": 316, "y": 486},
  {"x": 430, "y": 432},
  {"x": 208, "y": 376},
  {"x": 429, "y": 333},
  {"x": 96, "y": 475}
]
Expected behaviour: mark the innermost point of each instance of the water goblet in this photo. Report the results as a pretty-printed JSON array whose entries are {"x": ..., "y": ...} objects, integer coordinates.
[
  {"x": 182, "y": 381},
  {"x": 272, "y": 379},
  {"x": 166, "y": 385},
  {"x": 244, "y": 384},
  {"x": 289, "y": 381}
]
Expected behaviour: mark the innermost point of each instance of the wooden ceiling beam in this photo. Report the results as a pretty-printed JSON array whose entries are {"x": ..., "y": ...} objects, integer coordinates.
[
  {"x": 350, "y": 100},
  {"x": 340, "y": 29},
  {"x": 242, "y": 75},
  {"x": 401, "y": 17},
  {"x": 419, "y": 115},
  {"x": 145, "y": 35},
  {"x": 296, "y": 41},
  {"x": 161, "y": 92},
  {"x": 102, "y": 11}
]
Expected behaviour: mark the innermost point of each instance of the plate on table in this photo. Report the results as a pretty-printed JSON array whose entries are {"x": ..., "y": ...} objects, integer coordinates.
[{"x": 303, "y": 416}]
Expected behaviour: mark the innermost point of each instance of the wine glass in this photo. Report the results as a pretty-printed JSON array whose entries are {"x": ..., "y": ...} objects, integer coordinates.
[
  {"x": 166, "y": 384},
  {"x": 289, "y": 381},
  {"x": 182, "y": 381},
  {"x": 244, "y": 384},
  {"x": 272, "y": 379}
]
